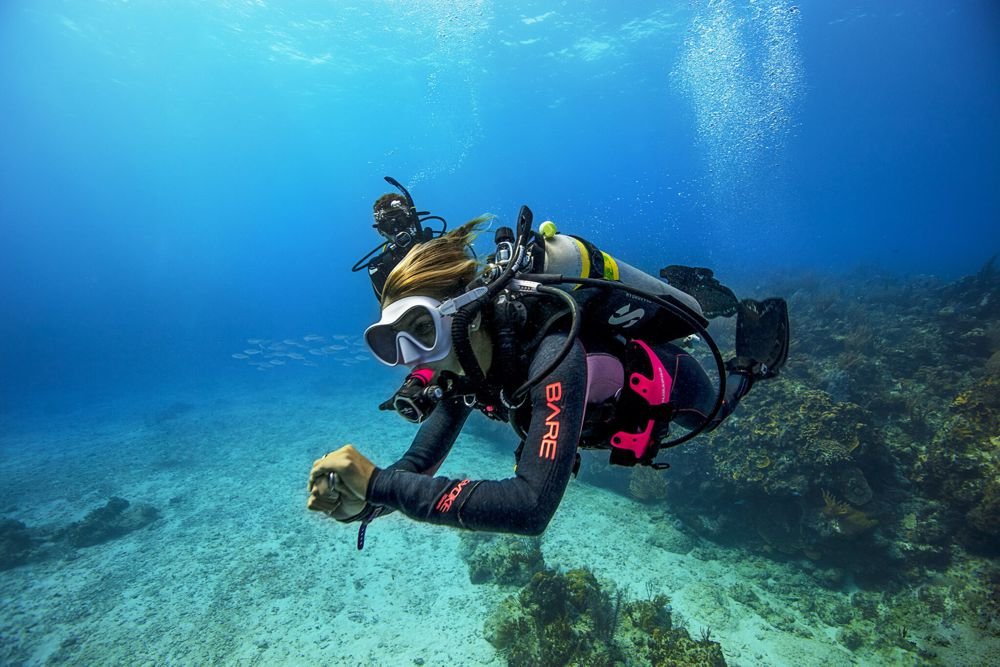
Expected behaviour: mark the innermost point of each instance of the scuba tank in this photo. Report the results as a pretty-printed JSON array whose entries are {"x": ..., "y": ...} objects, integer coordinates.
[
  {"x": 571, "y": 256},
  {"x": 622, "y": 312}
]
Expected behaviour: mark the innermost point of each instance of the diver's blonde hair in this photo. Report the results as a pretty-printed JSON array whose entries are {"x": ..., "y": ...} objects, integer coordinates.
[{"x": 439, "y": 268}]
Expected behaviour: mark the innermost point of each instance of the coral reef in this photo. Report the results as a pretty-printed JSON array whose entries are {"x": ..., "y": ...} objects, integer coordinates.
[
  {"x": 571, "y": 619},
  {"x": 845, "y": 519},
  {"x": 962, "y": 464},
  {"x": 647, "y": 485},
  {"x": 876, "y": 450},
  {"x": 920, "y": 623},
  {"x": 779, "y": 452},
  {"x": 506, "y": 560}
]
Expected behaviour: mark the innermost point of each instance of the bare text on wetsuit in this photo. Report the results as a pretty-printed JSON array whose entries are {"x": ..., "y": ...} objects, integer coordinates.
[{"x": 550, "y": 442}]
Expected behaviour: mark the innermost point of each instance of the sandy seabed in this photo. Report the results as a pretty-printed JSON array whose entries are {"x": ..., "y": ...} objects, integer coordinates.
[{"x": 236, "y": 571}]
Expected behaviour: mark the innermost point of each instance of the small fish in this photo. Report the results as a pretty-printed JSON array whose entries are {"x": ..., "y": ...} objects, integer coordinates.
[
  {"x": 240, "y": 356},
  {"x": 296, "y": 356},
  {"x": 313, "y": 338},
  {"x": 277, "y": 362},
  {"x": 318, "y": 353},
  {"x": 252, "y": 351}
]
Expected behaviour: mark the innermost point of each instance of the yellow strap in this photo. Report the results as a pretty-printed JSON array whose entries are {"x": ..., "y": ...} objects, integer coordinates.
[
  {"x": 610, "y": 267},
  {"x": 584, "y": 259}
]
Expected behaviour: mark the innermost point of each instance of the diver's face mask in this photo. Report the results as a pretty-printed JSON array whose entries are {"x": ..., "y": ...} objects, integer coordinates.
[
  {"x": 411, "y": 331},
  {"x": 396, "y": 223}
]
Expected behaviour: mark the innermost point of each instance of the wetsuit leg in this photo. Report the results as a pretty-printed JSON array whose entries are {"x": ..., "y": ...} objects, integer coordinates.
[{"x": 693, "y": 394}]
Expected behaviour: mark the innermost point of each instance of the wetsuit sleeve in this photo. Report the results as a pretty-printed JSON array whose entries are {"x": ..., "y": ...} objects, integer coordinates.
[
  {"x": 522, "y": 504},
  {"x": 433, "y": 441}
]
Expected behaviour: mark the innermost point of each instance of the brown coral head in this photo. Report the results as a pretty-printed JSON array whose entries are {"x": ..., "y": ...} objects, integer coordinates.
[{"x": 847, "y": 520}]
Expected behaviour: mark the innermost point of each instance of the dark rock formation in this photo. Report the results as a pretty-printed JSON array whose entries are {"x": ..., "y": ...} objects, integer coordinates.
[
  {"x": 116, "y": 519},
  {"x": 17, "y": 544}
]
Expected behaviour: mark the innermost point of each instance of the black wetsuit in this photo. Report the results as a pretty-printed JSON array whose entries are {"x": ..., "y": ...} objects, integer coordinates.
[
  {"x": 525, "y": 503},
  {"x": 521, "y": 504},
  {"x": 392, "y": 254}
]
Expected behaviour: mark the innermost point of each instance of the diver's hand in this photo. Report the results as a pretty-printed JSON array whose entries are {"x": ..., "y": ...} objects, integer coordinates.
[
  {"x": 341, "y": 505},
  {"x": 323, "y": 498},
  {"x": 351, "y": 474}
]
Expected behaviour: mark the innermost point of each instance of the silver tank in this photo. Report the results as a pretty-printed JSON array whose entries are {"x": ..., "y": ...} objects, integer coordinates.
[{"x": 566, "y": 255}]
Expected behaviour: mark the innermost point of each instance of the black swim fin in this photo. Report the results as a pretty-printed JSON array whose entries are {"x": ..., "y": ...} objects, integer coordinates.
[
  {"x": 716, "y": 299},
  {"x": 762, "y": 336}
]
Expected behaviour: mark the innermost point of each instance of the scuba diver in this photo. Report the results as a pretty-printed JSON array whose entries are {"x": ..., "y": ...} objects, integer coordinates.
[
  {"x": 570, "y": 346},
  {"x": 398, "y": 221}
]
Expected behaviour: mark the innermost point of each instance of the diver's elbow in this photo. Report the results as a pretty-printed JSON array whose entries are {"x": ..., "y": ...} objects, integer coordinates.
[{"x": 534, "y": 523}]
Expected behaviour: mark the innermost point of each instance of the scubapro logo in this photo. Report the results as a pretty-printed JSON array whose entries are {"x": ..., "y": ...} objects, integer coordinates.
[{"x": 625, "y": 317}]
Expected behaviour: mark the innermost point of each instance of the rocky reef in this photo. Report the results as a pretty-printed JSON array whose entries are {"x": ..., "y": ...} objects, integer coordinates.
[
  {"x": 572, "y": 619},
  {"x": 115, "y": 519},
  {"x": 876, "y": 453},
  {"x": 505, "y": 560},
  {"x": 21, "y": 544}
]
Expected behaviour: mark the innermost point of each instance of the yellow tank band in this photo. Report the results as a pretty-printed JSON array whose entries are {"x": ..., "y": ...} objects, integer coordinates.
[
  {"x": 584, "y": 259},
  {"x": 610, "y": 267}
]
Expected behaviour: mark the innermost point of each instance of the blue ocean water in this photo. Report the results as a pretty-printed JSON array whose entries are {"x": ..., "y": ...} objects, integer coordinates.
[{"x": 178, "y": 178}]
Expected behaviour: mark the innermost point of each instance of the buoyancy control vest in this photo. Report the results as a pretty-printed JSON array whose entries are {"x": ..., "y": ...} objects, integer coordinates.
[
  {"x": 542, "y": 282},
  {"x": 618, "y": 328}
]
